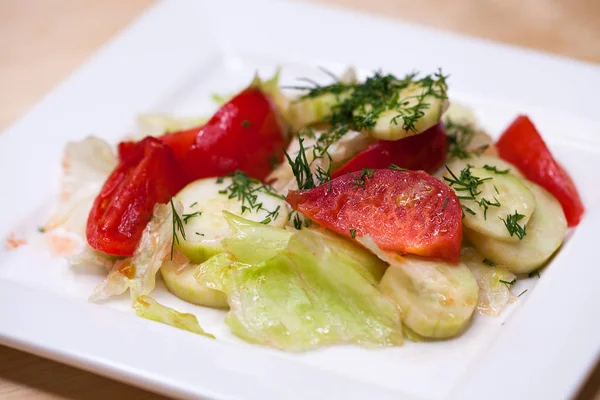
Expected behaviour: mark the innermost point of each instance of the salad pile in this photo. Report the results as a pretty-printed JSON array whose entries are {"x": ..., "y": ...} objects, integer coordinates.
[{"x": 353, "y": 212}]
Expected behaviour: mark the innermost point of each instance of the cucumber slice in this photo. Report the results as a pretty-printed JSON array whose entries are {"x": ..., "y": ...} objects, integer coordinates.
[
  {"x": 494, "y": 292},
  {"x": 545, "y": 232},
  {"x": 304, "y": 112},
  {"x": 203, "y": 204},
  {"x": 182, "y": 282},
  {"x": 436, "y": 299},
  {"x": 499, "y": 195},
  {"x": 481, "y": 160},
  {"x": 390, "y": 124},
  {"x": 461, "y": 114}
]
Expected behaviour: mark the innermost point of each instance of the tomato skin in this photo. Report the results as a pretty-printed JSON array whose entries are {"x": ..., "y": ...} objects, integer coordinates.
[
  {"x": 401, "y": 211},
  {"x": 148, "y": 175},
  {"x": 180, "y": 142},
  {"x": 522, "y": 145},
  {"x": 244, "y": 134},
  {"x": 426, "y": 151}
]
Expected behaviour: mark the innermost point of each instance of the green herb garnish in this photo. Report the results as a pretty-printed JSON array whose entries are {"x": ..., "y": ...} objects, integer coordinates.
[
  {"x": 512, "y": 225},
  {"x": 186, "y": 217},
  {"x": 445, "y": 204},
  {"x": 496, "y": 170},
  {"x": 488, "y": 262},
  {"x": 507, "y": 283},
  {"x": 396, "y": 168},
  {"x": 177, "y": 227},
  {"x": 244, "y": 189},
  {"x": 523, "y": 292},
  {"x": 353, "y": 233},
  {"x": 361, "y": 180},
  {"x": 534, "y": 273},
  {"x": 459, "y": 137}
]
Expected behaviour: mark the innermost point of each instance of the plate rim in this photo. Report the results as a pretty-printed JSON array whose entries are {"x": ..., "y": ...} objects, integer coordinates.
[{"x": 158, "y": 12}]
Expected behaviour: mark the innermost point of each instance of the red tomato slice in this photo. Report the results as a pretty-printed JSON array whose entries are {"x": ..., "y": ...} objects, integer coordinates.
[
  {"x": 522, "y": 145},
  {"x": 149, "y": 175},
  {"x": 180, "y": 142},
  {"x": 426, "y": 151},
  {"x": 244, "y": 134},
  {"x": 404, "y": 211}
]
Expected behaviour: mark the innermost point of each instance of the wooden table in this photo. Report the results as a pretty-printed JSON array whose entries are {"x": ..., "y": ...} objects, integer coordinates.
[{"x": 42, "y": 41}]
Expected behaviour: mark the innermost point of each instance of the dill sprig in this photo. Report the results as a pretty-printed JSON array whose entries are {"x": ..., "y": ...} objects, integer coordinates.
[
  {"x": 245, "y": 189},
  {"x": 508, "y": 283},
  {"x": 469, "y": 183},
  {"x": 186, "y": 217},
  {"x": 177, "y": 227},
  {"x": 465, "y": 182},
  {"x": 495, "y": 169},
  {"x": 459, "y": 136},
  {"x": 485, "y": 204},
  {"x": 358, "y": 107},
  {"x": 512, "y": 225},
  {"x": 301, "y": 167},
  {"x": 361, "y": 179},
  {"x": 394, "y": 167},
  {"x": 488, "y": 262}
]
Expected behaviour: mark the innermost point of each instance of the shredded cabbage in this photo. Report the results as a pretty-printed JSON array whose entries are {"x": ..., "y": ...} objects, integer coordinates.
[
  {"x": 86, "y": 165},
  {"x": 147, "y": 307},
  {"x": 311, "y": 293}
]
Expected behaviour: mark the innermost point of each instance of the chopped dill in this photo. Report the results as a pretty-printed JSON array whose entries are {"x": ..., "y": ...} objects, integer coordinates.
[
  {"x": 199, "y": 234},
  {"x": 522, "y": 293},
  {"x": 244, "y": 189},
  {"x": 246, "y": 124},
  {"x": 496, "y": 170},
  {"x": 353, "y": 233},
  {"x": 361, "y": 180},
  {"x": 512, "y": 225},
  {"x": 186, "y": 217},
  {"x": 534, "y": 273},
  {"x": 459, "y": 136},
  {"x": 465, "y": 182},
  {"x": 445, "y": 204},
  {"x": 508, "y": 283},
  {"x": 177, "y": 227},
  {"x": 394, "y": 167},
  {"x": 488, "y": 262},
  {"x": 194, "y": 204}
]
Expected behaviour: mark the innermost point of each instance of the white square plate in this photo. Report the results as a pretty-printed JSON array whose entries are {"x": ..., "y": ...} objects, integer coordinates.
[{"x": 170, "y": 60}]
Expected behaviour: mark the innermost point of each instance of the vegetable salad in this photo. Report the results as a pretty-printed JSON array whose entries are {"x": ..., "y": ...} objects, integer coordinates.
[{"x": 362, "y": 212}]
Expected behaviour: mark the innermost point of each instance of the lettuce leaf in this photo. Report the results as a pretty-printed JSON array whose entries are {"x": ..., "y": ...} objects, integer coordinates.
[
  {"x": 309, "y": 293},
  {"x": 138, "y": 273},
  {"x": 147, "y": 307},
  {"x": 85, "y": 166},
  {"x": 161, "y": 124}
]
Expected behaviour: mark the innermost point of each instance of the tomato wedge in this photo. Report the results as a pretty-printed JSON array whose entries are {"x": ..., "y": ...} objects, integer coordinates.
[
  {"x": 180, "y": 142},
  {"x": 403, "y": 211},
  {"x": 522, "y": 145},
  {"x": 426, "y": 151},
  {"x": 245, "y": 134},
  {"x": 148, "y": 175}
]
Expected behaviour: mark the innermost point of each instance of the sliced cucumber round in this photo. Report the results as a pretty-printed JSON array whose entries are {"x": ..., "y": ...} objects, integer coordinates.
[
  {"x": 436, "y": 299},
  {"x": 494, "y": 281},
  {"x": 498, "y": 195},
  {"x": 203, "y": 203},
  {"x": 482, "y": 160},
  {"x": 545, "y": 232},
  {"x": 182, "y": 282},
  {"x": 390, "y": 125}
]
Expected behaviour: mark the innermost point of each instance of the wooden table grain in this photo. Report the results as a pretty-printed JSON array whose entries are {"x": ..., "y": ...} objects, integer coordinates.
[{"x": 43, "y": 41}]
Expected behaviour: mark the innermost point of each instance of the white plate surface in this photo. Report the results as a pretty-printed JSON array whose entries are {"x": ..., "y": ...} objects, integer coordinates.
[{"x": 171, "y": 60}]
